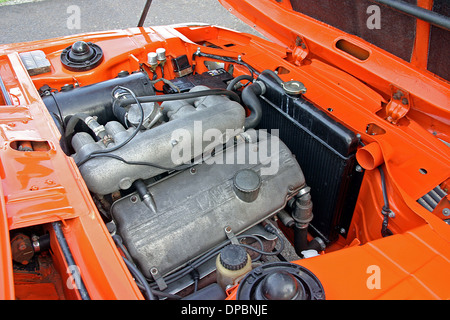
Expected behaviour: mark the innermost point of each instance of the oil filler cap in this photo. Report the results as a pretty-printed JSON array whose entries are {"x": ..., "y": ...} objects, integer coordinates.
[
  {"x": 81, "y": 56},
  {"x": 246, "y": 184}
]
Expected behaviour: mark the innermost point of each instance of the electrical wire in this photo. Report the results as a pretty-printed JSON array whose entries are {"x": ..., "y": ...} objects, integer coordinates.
[
  {"x": 225, "y": 59},
  {"x": 128, "y": 261},
  {"x": 182, "y": 96},
  {"x": 214, "y": 251},
  {"x": 385, "y": 211},
  {"x": 140, "y": 277}
]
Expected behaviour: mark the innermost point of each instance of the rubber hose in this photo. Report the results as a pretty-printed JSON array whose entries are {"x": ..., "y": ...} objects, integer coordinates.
[
  {"x": 61, "y": 239},
  {"x": 301, "y": 240},
  {"x": 73, "y": 122},
  {"x": 251, "y": 101},
  {"x": 238, "y": 79},
  {"x": 181, "y": 96},
  {"x": 274, "y": 75},
  {"x": 140, "y": 277}
]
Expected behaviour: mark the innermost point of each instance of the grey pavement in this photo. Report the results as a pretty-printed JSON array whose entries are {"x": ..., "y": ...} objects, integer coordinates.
[{"x": 29, "y": 20}]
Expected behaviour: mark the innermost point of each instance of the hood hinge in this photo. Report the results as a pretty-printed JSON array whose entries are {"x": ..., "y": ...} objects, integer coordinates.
[
  {"x": 398, "y": 106},
  {"x": 300, "y": 50}
]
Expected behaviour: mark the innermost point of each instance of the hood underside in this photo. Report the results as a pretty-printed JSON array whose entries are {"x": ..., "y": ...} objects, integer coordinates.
[
  {"x": 375, "y": 43},
  {"x": 393, "y": 26}
]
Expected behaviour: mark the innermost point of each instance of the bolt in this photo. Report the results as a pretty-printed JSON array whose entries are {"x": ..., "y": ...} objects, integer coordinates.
[
  {"x": 154, "y": 271},
  {"x": 398, "y": 95},
  {"x": 446, "y": 212}
]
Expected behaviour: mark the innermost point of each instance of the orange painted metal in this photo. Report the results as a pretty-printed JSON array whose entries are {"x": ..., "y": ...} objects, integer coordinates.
[{"x": 43, "y": 186}]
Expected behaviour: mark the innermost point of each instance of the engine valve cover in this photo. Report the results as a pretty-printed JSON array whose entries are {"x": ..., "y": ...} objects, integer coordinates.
[{"x": 193, "y": 207}]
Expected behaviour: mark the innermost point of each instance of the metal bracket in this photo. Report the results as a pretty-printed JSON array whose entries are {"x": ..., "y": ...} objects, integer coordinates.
[
  {"x": 230, "y": 235},
  {"x": 398, "y": 106},
  {"x": 300, "y": 50},
  {"x": 158, "y": 278}
]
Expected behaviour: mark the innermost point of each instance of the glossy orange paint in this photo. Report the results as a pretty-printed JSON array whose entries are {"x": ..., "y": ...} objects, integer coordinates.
[{"x": 40, "y": 187}]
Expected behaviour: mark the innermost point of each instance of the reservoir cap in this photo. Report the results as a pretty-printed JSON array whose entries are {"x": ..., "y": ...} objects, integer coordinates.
[{"x": 233, "y": 257}]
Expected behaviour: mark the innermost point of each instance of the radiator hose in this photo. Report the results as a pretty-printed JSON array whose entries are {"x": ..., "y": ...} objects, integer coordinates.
[
  {"x": 251, "y": 101},
  {"x": 302, "y": 215}
]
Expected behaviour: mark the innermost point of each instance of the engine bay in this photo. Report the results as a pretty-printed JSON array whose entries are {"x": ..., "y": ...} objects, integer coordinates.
[
  {"x": 181, "y": 175},
  {"x": 213, "y": 164}
]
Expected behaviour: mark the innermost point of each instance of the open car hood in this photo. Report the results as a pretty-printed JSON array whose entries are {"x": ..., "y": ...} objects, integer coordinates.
[
  {"x": 385, "y": 48},
  {"x": 413, "y": 31}
]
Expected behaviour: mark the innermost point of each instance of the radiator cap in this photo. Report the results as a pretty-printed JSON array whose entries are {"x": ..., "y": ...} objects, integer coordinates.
[{"x": 294, "y": 87}]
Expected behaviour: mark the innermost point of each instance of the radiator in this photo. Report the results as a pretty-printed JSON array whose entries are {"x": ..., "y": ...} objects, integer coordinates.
[{"x": 325, "y": 150}]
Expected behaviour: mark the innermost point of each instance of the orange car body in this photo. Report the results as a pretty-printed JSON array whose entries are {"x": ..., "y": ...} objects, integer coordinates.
[{"x": 352, "y": 80}]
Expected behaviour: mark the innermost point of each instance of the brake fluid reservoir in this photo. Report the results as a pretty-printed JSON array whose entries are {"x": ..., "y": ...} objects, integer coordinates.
[{"x": 232, "y": 263}]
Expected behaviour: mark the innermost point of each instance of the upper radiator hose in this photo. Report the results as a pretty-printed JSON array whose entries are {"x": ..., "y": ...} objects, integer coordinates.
[{"x": 250, "y": 99}]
